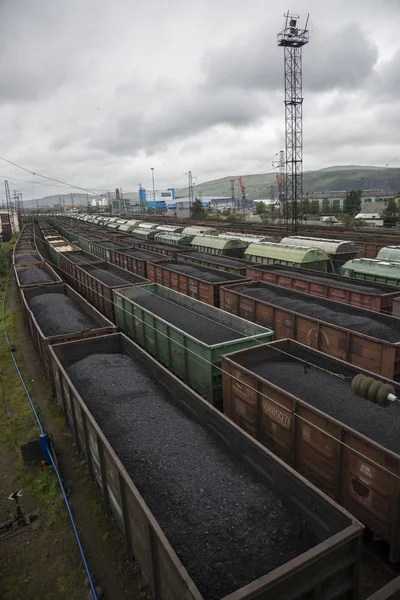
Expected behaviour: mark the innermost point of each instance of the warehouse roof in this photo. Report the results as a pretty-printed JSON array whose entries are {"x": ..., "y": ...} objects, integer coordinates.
[{"x": 295, "y": 254}]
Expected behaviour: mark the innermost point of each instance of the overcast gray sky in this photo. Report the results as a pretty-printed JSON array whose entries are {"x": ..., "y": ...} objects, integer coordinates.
[{"x": 96, "y": 92}]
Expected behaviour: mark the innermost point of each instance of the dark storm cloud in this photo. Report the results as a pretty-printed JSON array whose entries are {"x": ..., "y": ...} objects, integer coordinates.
[
  {"x": 341, "y": 60},
  {"x": 185, "y": 116}
]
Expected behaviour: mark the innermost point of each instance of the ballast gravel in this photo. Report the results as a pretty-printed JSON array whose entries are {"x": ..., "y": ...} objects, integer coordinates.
[
  {"x": 201, "y": 272},
  {"x": 226, "y": 526},
  {"x": 334, "y": 282},
  {"x": 333, "y": 396},
  {"x": 57, "y": 314},
  {"x": 202, "y": 328},
  {"x": 220, "y": 260},
  {"x": 107, "y": 277},
  {"x": 344, "y": 316},
  {"x": 27, "y": 258},
  {"x": 28, "y": 276}
]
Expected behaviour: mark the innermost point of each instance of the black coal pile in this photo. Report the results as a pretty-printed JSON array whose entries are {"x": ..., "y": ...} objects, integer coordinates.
[
  {"x": 333, "y": 396},
  {"x": 57, "y": 314},
  {"x": 202, "y": 328},
  {"x": 334, "y": 282},
  {"x": 27, "y": 258},
  {"x": 227, "y": 527},
  {"x": 200, "y": 273},
  {"x": 28, "y": 276},
  {"x": 79, "y": 259},
  {"x": 107, "y": 277},
  {"x": 343, "y": 316}
]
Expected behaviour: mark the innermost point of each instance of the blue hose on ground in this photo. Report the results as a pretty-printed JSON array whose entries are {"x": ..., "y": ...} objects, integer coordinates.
[{"x": 45, "y": 443}]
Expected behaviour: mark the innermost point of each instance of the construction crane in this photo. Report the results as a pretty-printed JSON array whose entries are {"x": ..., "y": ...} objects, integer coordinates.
[{"x": 243, "y": 190}]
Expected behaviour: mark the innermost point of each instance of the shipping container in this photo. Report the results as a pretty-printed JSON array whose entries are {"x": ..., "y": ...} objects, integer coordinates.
[
  {"x": 300, "y": 404},
  {"x": 373, "y": 270},
  {"x": 159, "y": 543},
  {"x": 95, "y": 282},
  {"x": 134, "y": 260},
  {"x": 192, "y": 280},
  {"x": 41, "y": 340},
  {"x": 186, "y": 335},
  {"x": 362, "y": 337},
  {"x": 327, "y": 285},
  {"x": 339, "y": 251},
  {"x": 224, "y": 263},
  {"x": 292, "y": 256}
]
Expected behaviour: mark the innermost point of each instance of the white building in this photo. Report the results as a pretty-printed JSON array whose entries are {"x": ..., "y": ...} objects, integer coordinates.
[{"x": 161, "y": 195}]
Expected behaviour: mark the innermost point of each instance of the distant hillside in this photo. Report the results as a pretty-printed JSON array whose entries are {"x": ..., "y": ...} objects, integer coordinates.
[
  {"x": 56, "y": 199},
  {"x": 330, "y": 179}
]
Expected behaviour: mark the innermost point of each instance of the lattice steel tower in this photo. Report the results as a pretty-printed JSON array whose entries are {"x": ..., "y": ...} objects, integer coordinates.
[{"x": 292, "y": 39}]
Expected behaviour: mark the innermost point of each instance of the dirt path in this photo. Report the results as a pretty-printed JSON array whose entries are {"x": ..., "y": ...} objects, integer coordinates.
[{"x": 101, "y": 539}]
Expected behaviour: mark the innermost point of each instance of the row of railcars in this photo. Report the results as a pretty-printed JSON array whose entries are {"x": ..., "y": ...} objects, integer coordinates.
[
  {"x": 147, "y": 325},
  {"x": 245, "y": 511}
]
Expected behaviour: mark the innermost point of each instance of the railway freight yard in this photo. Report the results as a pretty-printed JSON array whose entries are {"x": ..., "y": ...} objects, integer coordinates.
[
  {"x": 235, "y": 423},
  {"x": 199, "y": 381}
]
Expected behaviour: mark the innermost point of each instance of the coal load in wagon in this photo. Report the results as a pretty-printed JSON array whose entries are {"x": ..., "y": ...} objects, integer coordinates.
[
  {"x": 78, "y": 259},
  {"x": 204, "y": 275},
  {"x": 341, "y": 316},
  {"x": 27, "y": 258},
  {"x": 332, "y": 394},
  {"x": 28, "y": 276},
  {"x": 108, "y": 278},
  {"x": 201, "y": 328},
  {"x": 217, "y": 259},
  {"x": 226, "y": 526},
  {"x": 332, "y": 282},
  {"x": 57, "y": 314}
]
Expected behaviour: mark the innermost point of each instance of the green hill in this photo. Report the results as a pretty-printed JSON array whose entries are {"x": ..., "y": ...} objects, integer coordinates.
[{"x": 330, "y": 179}]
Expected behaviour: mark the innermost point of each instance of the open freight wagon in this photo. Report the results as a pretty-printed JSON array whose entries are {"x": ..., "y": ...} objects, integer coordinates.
[
  {"x": 362, "y": 337},
  {"x": 374, "y": 296},
  {"x": 299, "y": 403},
  {"x": 186, "y": 335},
  {"x": 96, "y": 282},
  {"x": 122, "y": 450},
  {"x": 199, "y": 282},
  {"x": 47, "y": 329}
]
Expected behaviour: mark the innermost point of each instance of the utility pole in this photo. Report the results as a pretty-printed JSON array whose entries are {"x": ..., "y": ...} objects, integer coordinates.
[
  {"x": 292, "y": 39},
  {"x": 154, "y": 192},
  {"x": 191, "y": 191},
  {"x": 233, "y": 191}
]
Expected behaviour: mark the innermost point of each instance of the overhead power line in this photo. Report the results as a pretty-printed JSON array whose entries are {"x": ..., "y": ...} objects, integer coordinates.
[{"x": 76, "y": 187}]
